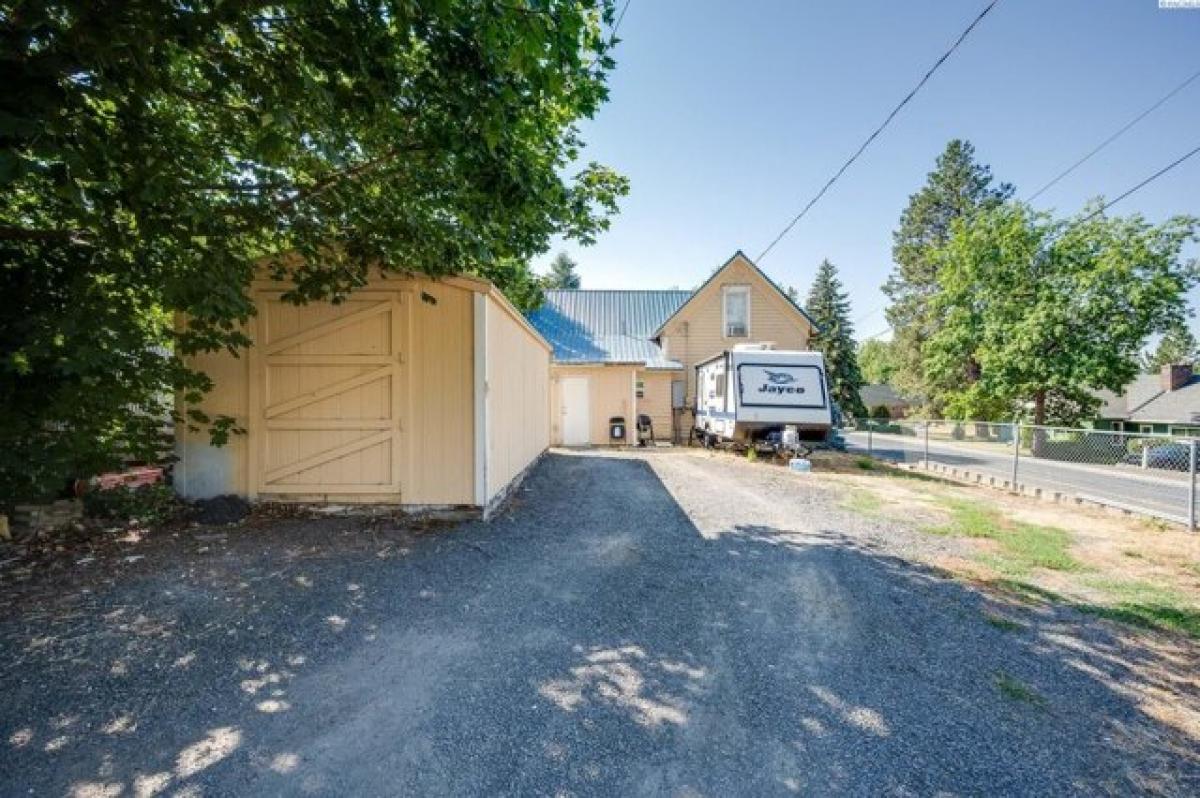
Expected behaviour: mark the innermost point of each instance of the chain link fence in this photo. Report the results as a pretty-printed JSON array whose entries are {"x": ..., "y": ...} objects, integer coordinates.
[{"x": 1154, "y": 475}]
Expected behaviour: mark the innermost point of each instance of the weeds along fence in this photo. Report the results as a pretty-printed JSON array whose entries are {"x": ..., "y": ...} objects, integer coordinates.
[{"x": 1153, "y": 475}]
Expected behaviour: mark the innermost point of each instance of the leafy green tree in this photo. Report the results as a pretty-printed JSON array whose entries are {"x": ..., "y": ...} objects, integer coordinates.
[
  {"x": 520, "y": 284},
  {"x": 155, "y": 154},
  {"x": 1178, "y": 345},
  {"x": 957, "y": 188},
  {"x": 1044, "y": 312},
  {"x": 877, "y": 361},
  {"x": 829, "y": 307},
  {"x": 562, "y": 272}
]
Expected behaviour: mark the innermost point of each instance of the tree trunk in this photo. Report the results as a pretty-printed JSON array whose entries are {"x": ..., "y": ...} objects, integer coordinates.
[
  {"x": 1039, "y": 408},
  {"x": 1039, "y": 418}
]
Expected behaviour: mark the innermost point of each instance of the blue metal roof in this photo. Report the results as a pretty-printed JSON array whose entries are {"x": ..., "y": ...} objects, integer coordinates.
[{"x": 607, "y": 326}]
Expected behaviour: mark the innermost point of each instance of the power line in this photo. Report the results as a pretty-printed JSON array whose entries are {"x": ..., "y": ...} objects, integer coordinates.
[
  {"x": 870, "y": 313},
  {"x": 1138, "y": 187},
  {"x": 1123, "y": 195},
  {"x": 879, "y": 129},
  {"x": 620, "y": 17},
  {"x": 1115, "y": 136}
]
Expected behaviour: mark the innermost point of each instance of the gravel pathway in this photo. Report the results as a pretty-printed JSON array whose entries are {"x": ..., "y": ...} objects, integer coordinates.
[{"x": 673, "y": 623}]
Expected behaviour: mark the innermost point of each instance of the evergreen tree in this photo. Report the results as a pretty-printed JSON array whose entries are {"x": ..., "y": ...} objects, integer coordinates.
[
  {"x": 829, "y": 307},
  {"x": 562, "y": 272},
  {"x": 957, "y": 188},
  {"x": 1178, "y": 345}
]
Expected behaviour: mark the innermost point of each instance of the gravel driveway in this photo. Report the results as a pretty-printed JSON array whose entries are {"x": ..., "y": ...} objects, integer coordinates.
[{"x": 674, "y": 623}]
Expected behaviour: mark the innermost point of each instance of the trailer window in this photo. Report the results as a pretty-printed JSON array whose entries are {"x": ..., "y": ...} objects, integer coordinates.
[
  {"x": 720, "y": 378},
  {"x": 737, "y": 311}
]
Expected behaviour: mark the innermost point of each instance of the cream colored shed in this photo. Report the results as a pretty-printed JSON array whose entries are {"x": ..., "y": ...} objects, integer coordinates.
[{"x": 417, "y": 392}]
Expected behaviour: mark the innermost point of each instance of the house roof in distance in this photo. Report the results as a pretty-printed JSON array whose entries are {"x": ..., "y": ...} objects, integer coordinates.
[
  {"x": 587, "y": 327},
  {"x": 1146, "y": 400},
  {"x": 613, "y": 326}
]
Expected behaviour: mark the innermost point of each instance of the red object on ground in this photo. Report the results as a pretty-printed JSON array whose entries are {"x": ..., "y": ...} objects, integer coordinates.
[{"x": 133, "y": 478}]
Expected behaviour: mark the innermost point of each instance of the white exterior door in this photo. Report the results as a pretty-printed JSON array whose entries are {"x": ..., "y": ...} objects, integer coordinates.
[{"x": 576, "y": 415}]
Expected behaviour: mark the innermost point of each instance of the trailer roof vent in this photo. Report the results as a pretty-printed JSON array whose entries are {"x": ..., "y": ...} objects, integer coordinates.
[{"x": 762, "y": 346}]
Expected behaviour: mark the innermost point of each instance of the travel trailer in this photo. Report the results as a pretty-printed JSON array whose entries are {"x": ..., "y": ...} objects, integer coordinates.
[{"x": 755, "y": 393}]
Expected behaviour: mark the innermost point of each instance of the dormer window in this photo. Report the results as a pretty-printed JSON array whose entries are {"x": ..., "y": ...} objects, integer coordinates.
[{"x": 737, "y": 311}]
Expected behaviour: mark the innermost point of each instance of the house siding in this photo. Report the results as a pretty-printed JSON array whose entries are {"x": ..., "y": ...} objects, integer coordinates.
[
  {"x": 610, "y": 393},
  {"x": 656, "y": 401},
  {"x": 697, "y": 332}
]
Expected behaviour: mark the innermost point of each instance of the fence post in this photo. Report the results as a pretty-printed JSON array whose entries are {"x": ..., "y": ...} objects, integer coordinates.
[
  {"x": 1192, "y": 484},
  {"x": 926, "y": 445},
  {"x": 869, "y": 423},
  {"x": 1016, "y": 454}
]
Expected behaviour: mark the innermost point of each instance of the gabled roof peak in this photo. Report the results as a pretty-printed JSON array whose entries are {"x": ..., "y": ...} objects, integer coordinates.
[{"x": 739, "y": 254}]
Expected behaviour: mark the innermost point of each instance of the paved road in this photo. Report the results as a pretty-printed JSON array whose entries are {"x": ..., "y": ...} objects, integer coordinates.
[
  {"x": 1163, "y": 495},
  {"x": 673, "y": 624}
]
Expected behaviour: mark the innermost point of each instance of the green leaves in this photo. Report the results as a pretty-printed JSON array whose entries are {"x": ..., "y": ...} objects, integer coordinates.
[
  {"x": 829, "y": 307},
  {"x": 152, "y": 155},
  {"x": 562, "y": 272},
  {"x": 1041, "y": 313},
  {"x": 957, "y": 188}
]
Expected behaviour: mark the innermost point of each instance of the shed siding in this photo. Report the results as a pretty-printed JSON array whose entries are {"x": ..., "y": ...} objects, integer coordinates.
[
  {"x": 439, "y": 427},
  {"x": 610, "y": 393},
  {"x": 435, "y": 405},
  {"x": 204, "y": 470},
  {"x": 698, "y": 331},
  {"x": 517, "y": 396}
]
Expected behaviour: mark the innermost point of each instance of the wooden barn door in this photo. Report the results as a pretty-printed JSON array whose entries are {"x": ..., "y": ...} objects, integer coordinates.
[{"x": 328, "y": 397}]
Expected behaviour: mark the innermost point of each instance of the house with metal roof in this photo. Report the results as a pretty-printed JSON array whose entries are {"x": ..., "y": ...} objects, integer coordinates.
[
  {"x": 1166, "y": 402},
  {"x": 627, "y": 354}
]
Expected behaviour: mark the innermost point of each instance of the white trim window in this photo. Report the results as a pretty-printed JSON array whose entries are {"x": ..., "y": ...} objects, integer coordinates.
[{"x": 736, "y": 311}]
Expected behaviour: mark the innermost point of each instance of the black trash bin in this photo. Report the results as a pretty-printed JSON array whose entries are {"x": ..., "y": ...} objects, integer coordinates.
[{"x": 616, "y": 429}]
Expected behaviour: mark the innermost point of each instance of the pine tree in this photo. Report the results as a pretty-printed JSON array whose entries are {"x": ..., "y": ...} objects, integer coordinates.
[
  {"x": 829, "y": 307},
  {"x": 1178, "y": 345},
  {"x": 562, "y": 272},
  {"x": 957, "y": 187}
]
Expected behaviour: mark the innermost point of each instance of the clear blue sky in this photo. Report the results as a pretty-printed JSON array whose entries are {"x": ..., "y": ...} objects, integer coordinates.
[{"x": 727, "y": 117}]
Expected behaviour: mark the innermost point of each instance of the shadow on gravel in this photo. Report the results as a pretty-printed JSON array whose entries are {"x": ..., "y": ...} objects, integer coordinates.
[{"x": 589, "y": 640}]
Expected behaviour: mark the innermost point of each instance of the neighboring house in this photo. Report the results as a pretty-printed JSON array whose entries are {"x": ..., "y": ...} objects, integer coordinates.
[
  {"x": 629, "y": 353},
  {"x": 875, "y": 394},
  {"x": 1163, "y": 403},
  {"x": 412, "y": 391}
]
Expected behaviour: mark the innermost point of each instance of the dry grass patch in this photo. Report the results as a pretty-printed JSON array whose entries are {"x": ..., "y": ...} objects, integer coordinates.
[{"x": 1129, "y": 570}]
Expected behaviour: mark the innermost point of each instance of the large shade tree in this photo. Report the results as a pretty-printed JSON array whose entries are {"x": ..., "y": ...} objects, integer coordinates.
[
  {"x": 154, "y": 153},
  {"x": 1045, "y": 312},
  {"x": 957, "y": 188},
  {"x": 877, "y": 361}
]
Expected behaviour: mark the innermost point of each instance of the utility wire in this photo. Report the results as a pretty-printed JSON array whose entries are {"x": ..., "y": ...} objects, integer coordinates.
[
  {"x": 620, "y": 17},
  {"x": 1115, "y": 136},
  {"x": 879, "y": 129},
  {"x": 1102, "y": 208},
  {"x": 1139, "y": 186}
]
